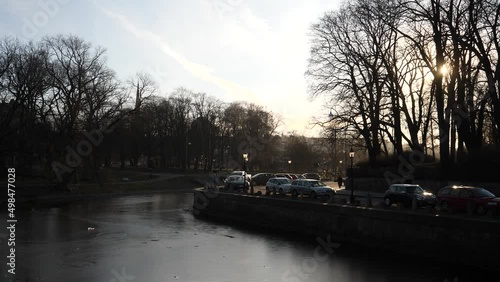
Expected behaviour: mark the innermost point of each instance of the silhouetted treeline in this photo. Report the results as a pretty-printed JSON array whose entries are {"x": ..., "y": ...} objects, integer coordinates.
[
  {"x": 198, "y": 131},
  {"x": 64, "y": 114},
  {"x": 417, "y": 74}
]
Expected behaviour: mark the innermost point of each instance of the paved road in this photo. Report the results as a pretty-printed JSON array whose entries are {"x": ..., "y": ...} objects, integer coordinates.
[{"x": 342, "y": 194}]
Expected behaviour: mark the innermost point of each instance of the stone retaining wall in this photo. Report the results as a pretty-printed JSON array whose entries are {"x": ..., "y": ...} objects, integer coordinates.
[{"x": 450, "y": 239}]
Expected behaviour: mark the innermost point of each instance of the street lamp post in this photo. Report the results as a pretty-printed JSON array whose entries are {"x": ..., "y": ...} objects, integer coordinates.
[
  {"x": 245, "y": 160},
  {"x": 289, "y": 163},
  {"x": 335, "y": 171},
  {"x": 226, "y": 153},
  {"x": 188, "y": 143},
  {"x": 351, "y": 156}
]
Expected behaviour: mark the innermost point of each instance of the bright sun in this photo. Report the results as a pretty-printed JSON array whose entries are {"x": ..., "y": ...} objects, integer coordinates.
[{"x": 444, "y": 70}]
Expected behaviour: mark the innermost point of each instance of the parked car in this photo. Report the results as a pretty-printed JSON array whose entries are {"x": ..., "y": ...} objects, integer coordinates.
[
  {"x": 283, "y": 175},
  {"x": 311, "y": 187},
  {"x": 235, "y": 182},
  {"x": 405, "y": 193},
  {"x": 294, "y": 176},
  {"x": 280, "y": 185},
  {"x": 261, "y": 178},
  {"x": 311, "y": 175},
  {"x": 457, "y": 197}
]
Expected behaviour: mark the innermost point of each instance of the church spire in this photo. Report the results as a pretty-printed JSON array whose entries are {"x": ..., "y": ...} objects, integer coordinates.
[{"x": 138, "y": 98}]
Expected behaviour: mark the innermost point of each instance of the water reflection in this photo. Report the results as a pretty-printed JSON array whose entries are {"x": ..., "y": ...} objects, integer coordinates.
[{"x": 156, "y": 238}]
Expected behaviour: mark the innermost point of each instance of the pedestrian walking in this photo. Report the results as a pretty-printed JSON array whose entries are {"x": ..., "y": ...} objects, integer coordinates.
[{"x": 340, "y": 180}]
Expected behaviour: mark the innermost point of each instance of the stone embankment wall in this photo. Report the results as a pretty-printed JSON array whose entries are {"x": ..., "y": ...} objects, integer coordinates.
[{"x": 448, "y": 238}]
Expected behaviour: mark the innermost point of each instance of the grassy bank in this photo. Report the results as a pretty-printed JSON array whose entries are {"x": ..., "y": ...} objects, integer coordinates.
[
  {"x": 29, "y": 192},
  {"x": 157, "y": 183}
]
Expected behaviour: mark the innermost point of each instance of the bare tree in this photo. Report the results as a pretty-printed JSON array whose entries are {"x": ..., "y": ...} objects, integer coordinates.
[
  {"x": 346, "y": 64},
  {"x": 25, "y": 122},
  {"x": 203, "y": 128},
  {"x": 7, "y": 53},
  {"x": 481, "y": 37},
  {"x": 73, "y": 67},
  {"x": 85, "y": 93}
]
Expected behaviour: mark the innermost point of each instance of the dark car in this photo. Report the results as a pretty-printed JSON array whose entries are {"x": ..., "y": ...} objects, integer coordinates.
[
  {"x": 261, "y": 178},
  {"x": 236, "y": 183},
  {"x": 458, "y": 197},
  {"x": 405, "y": 193},
  {"x": 311, "y": 175}
]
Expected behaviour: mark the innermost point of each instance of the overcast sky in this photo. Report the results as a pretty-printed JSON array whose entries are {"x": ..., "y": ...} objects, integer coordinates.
[{"x": 236, "y": 50}]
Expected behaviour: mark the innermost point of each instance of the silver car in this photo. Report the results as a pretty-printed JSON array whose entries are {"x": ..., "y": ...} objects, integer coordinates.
[
  {"x": 280, "y": 185},
  {"x": 312, "y": 187},
  {"x": 236, "y": 183}
]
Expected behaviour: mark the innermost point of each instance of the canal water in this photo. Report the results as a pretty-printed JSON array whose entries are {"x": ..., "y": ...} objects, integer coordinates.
[{"x": 153, "y": 238}]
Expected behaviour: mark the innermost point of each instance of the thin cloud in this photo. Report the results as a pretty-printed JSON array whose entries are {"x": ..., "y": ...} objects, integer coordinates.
[{"x": 198, "y": 70}]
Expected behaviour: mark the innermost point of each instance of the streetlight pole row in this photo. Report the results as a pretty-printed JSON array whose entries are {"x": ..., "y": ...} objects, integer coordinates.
[{"x": 351, "y": 156}]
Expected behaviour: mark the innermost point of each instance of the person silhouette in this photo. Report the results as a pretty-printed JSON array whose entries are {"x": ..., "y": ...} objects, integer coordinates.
[{"x": 340, "y": 180}]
